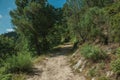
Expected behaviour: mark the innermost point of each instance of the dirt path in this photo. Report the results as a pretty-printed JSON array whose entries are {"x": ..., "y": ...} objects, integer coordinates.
[{"x": 56, "y": 68}]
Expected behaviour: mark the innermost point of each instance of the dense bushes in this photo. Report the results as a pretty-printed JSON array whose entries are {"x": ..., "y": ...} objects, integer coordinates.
[
  {"x": 94, "y": 20},
  {"x": 7, "y": 46},
  {"x": 92, "y": 52},
  {"x": 113, "y": 13},
  {"x": 21, "y": 62},
  {"x": 90, "y": 24}
]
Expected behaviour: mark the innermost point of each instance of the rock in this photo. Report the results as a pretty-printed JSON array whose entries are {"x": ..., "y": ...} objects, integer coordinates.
[
  {"x": 75, "y": 53},
  {"x": 86, "y": 73},
  {"x": 109, "y": 51},
  {"x": 83, "y": 66},
  {"x": 109, "y": 73},
  {"x": 93, "y": 78},
  {"x": 79, "y": 63},
  {"x": 82, "y": 78}
]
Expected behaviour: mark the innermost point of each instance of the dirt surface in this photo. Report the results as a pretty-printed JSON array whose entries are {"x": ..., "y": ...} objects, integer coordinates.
[{"x": 56, "y": 67}]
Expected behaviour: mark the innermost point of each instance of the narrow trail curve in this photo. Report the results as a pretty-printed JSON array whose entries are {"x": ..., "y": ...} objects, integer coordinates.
[{"x": 56, "y": 68}]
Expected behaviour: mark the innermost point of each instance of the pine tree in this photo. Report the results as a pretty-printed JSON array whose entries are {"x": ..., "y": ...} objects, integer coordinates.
[{"x": 34, "y": 19}]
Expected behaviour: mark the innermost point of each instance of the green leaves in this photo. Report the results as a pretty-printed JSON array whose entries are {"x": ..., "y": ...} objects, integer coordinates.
[
  {"x": 17, "y": 63},
  {"x": 116, "y": 65},
  {"x": 92, "y": 52},
  {"x": 7, "y": 46},
  {"x": 34, "y": 21}
]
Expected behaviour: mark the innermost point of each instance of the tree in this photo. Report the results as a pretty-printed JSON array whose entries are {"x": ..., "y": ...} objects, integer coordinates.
[
  {"x": 72, "y": 9},
  {"x": 86, "y": 19},
  {"x": 113, "y": 14},
  {"x": 34, "y": 20},
  {"x": 97, "y": 3}
]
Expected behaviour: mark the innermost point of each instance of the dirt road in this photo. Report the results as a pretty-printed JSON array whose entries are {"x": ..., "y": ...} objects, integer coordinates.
[{"x": 56, "y": 67}]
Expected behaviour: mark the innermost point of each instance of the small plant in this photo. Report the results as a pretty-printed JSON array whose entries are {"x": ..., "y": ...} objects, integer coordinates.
[
  {"x": 103, "y": 78},
  {"x": 115, "y": 65},
  {"x": 19, "y": 63},
  {"x": 117, "y": 52},
  {"x": 92, "y": 52},
  {"x": 102, "y": 65},
  {"x": 92, "y": 72}
]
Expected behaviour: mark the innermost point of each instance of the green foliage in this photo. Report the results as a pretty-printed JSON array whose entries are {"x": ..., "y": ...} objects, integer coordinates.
[
  {"x": 20, "y": 76},
  {"x": 7, "y": 46},
  {"x": 89, "y": 25},
  {"x": 92, "y": 72},
  {"x": 35, "y": 21},
  {"x": 19, "y": 63},
  {"x": 102, "y": 65},
  {"x": 3, "y": 75},
  {"x": 103, "y": 78},
  {"x": 86, "y": 23},
  {"x": 115, "y": 22},
  {"x": 91, "y": 20},
  {"x": 113, "y": 14},
  {"x": 92, "y": 52},
  {"x": 115, "y": 65},
  {"x": 118, "y": 51},
  {"x": 98, "y": 3}
]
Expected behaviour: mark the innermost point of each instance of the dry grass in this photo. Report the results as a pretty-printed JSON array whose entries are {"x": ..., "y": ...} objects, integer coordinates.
[
  {"x": 20, "y": 76},
  {"x": 39, "y": 59}
]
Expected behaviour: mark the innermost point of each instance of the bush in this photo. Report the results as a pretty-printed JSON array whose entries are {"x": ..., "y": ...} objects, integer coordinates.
[
  {"x": 113, "y": 14},
  {"x": 103, "y": 78},
  {"x": 118, "y": 51},
  {"x": 3, "y": 75},
  {"x": 7, "y": 46},
  {"x": 19, "y": 63},
  {"x": 115, "y": 65},
  {"x": 92, "y": 52},
  {"x": 19, "y": 76},
  {"x": 92, "y": 72}
]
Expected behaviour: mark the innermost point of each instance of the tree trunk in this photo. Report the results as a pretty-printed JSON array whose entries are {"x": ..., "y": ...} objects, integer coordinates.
[{"x": 37, "y": 45}]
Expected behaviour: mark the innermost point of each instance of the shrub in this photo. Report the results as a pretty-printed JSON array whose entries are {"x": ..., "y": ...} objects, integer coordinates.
[
  {"x": 118, "y": 50},
  {"x": 3, "y": 75},
  {"x": 115, "y": 65},
  {"x": 92, "y": 72},
  {"x": 20, "y": 76},
  {"x": 7, "y": 46},
  {"x": 92, "y": 52},
  {"x": 19, "y": 63},
  {"x": 113, "y": 14},
  {"x": 103, "y": 78}
]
